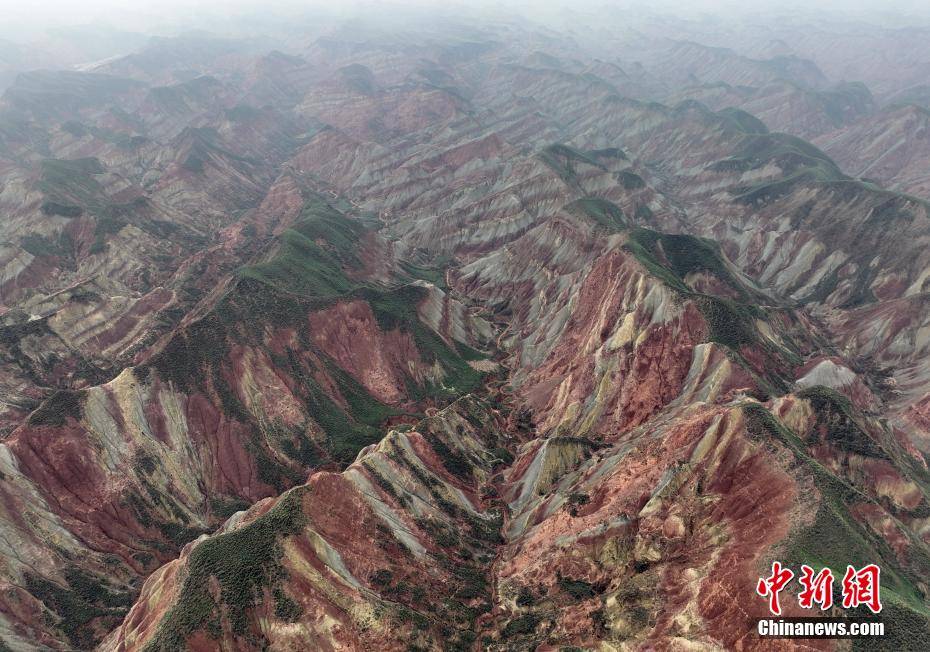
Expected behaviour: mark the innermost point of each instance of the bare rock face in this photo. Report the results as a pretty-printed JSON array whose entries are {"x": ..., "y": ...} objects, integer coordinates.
[{"x": 452, "y": 346}]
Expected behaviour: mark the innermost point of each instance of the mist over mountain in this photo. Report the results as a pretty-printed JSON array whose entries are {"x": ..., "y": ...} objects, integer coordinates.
[{"x": 480, "y": 327}]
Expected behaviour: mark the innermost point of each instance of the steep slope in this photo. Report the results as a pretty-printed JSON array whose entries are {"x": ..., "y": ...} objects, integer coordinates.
[
  {"x": 432, "y": 531},
  {"x": 236, "y": 406},
  {"x": 789, "y": 108},
  {"x": 890, "y": 147},
  {"x": 106, "y": 229},
  {"x": 614, "y": 531}
]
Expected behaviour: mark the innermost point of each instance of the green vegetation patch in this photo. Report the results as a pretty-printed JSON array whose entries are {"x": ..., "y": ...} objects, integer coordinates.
[
  {"x": 455, "y": 462},
  {"x": 187, "y": 355},
  {"x": 642, "y": 243},
  {"x": 608, "y": 152},
  {"x": 244, "y": 563},
  {"x": 85, "y": 599},
  {"x": 503, "y": 457},
  {"x": 521, "y": 626},
  {"x": 846, "y": 101},
  {"x": 65, "y": 170},
  {"x": 224, "y": 507},
  {"x": 364, "y": 407},
  {"x": 347, "y": 431},
  {"x": 358, "y": 78},
  {"x": 835, "y": 416},
  {"x": 42, "y": 246},
  {"x": 577, "y": 589},
  {"x": 836, "y": 538},
  {"x": 205, "y": 144},
  {"x": 671, "y": 257},
  {"x": 764, "y": 148},
  {"x": 801, "y": 162},
  {"x": 106, "y": 225},
  {"x": 731, "y": 323},
  {"x": 242, "y": 113},
  {"x": 563, "y": 159},
  {"x": 58, "y": 407},
  {"x": 905, "y": 629},
  {"x": 195, "y": 359},
  {"x": 688, "y": 254},
  {"x": 195, "y": 163},
  {"x": 643, "y": 213},
  {"x": 345, "y": 437},
  {"x": 604, "y": 213},
  {"x": 74, "y": 128},
  {"x": 434, "y": 273},
  {"x": 313, "y": 255},
  {"x": 630, "y": 180},
  {"x": 69, "y": 185},
  {"x": 62, "y": 210},
  {"x": 745, "y": 122},
  {"x": 284, "y": 607},
  {"x": 576, "y": 500},
  {"x": 526, "y": 597},
  {"x": 769, "y": 191}
]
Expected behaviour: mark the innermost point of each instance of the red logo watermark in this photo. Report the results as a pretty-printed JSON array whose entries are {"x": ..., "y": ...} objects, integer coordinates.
[
  {"x": 860, "y": 587},
  {"x": 770, "y": 587},
  {"x": 817, "y": 588}
]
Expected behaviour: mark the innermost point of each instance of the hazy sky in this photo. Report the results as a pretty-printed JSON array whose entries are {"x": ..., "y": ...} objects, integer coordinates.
[{"x": 21, "y": 19}]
